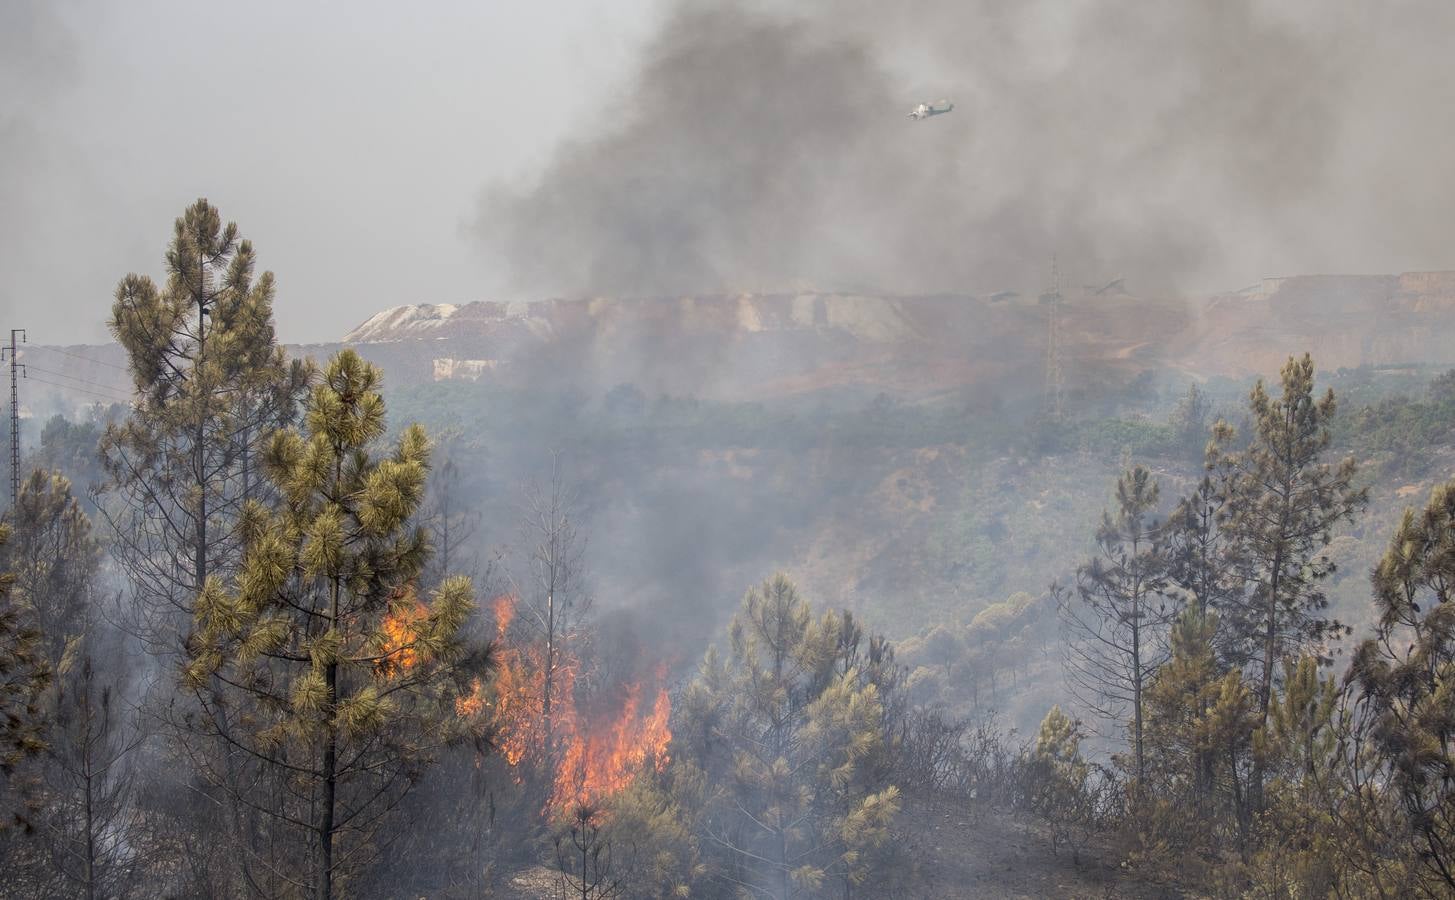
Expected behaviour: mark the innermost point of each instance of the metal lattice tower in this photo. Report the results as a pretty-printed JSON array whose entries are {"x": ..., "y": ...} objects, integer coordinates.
[
  {"x": 15, "y": 369},
  {"x": 1055, "y": 383}
]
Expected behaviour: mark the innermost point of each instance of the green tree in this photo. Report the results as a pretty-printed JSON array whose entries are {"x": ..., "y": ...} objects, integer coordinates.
[
  {"x": 785, "y": 736},
  {"x": 69, "y": 448},
  {"x": 1117, "y": 632},
  {"x": 1198, "y": 560},
  {"x": 1199, "y": 738},
  {"x": 24, "y": 676},
  {"x": 88, "y": 822},
  {"x": 655, "y": 823},
  {"x": 1298, "y": 840},
  {"x": 53, "y": 559},
  {"x": 1405, "y": 681},
  {"x": 352, "y": 679},
  {"x": 1282, "y": 505},
  {"x": 1061, "y": 792},
  {"x": 1190, "y": 418},
  {"x": 211, "y": 383}
]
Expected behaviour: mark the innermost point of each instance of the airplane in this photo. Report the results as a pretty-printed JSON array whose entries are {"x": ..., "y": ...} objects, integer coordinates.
[{"x": 925, "y": 110}]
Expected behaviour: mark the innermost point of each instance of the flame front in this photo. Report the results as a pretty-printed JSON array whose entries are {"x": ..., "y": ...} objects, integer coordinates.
[
  {"x": 609, "y": 755},
  {"x": 594, "y": 756}
]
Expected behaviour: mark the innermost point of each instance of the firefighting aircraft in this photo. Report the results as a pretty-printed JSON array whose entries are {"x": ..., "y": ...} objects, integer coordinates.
[{"x": 925, "y": 110}]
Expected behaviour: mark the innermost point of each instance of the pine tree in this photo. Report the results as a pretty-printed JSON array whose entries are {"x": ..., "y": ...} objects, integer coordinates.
[
  {"x": 1117, "y": 632},
  {"x": 784, "y": 739},
  {"x": 91, "y": 822},
  {"x": 452, "y": 521},
  {"x": 1405, "y": 681},
  {"x": 656, "y": 820},
  {"x": 211, "y": 383},
  {"x": 88, "y": 822},
  {"x": 1281, "y": 508},
  {"x": 586, "y": 858},
  {"x": 1299, "y": 835},
  {"x": 1060, "y": 792},
  {"x": 351, "y": 678},
  {"x": 24, "y": 676},
  {"x": 1198, "y": 560},
  {"x": 53, "y": 559},
  {"x": 1190, "y": 418},
  {"x": 1199, "y": 737}
]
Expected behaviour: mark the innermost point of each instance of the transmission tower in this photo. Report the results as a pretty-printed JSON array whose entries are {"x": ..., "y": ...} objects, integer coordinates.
[
  {"x": 15, "y": 369},
  {"x": 1055, "y": 384}
]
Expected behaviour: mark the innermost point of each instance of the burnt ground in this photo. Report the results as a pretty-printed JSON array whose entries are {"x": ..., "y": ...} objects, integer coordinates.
[
  {"x": 968, "y": 851},
  {"x": 956, "y": 852}
]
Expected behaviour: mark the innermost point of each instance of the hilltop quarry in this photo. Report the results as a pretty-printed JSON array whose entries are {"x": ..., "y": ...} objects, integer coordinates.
[{"x": 749, "y": 345}]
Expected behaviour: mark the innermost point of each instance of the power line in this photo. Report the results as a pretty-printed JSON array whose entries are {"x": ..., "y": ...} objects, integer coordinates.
[
  {"x": 98, "y": 362},
  {"x": 71, "y": 387},
  {"x": 100, "y": 384}
]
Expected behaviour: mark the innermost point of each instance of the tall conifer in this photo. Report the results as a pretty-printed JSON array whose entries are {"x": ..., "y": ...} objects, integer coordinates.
[{"x": 352, "y": 678}]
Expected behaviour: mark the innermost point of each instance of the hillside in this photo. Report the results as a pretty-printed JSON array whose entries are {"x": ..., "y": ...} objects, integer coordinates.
[{"x": 749, "y": 347}]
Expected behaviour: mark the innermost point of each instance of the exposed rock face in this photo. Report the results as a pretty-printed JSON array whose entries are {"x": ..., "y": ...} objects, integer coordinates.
[
  {"x": 866, "y": 318},
  {"x": 1343, "y": 320},
  {"x": 748, "y": 345}
]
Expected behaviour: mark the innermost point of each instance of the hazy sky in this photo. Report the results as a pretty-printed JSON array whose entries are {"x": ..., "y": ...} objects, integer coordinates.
[
  {"x": 347, "y": 140},
  {"x": 386, "y": 153}
]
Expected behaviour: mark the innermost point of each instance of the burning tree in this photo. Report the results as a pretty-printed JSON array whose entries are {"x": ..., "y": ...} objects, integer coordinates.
[
  {"x": 556, "y": 602},
  {"x": 349, "y": 679},
  {"x": 597, "y": 752},
  {"x": 580, "y": 750}
]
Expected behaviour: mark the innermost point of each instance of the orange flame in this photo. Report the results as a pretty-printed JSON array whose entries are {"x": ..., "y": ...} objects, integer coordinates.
[
  {"x": 400, "y": 630},
  {"x": 472, "y": 704},
  {"x": 504, "y": 608},
  {"x": 607, "y": 758},
  {"x": 593, "y": 760}
]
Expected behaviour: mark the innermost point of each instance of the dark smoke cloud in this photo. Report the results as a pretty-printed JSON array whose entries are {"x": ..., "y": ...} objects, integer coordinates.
[{"x": 1191, "y": 144}]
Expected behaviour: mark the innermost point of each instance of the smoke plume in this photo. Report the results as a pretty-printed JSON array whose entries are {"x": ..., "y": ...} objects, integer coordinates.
[{"x": 1191, "y": 145}]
